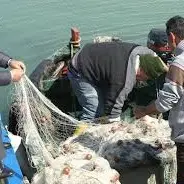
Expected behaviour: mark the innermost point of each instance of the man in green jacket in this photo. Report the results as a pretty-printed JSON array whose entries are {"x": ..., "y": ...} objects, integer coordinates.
[{"x": 103, "y": 74}]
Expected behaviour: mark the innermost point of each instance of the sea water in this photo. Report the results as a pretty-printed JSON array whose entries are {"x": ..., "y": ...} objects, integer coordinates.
[{"x": 32, "y": 30}]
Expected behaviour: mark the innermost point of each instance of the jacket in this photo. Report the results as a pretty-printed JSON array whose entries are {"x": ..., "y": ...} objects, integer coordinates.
[
  {"x": 111, "y": 67},
  {"x": 5, "y": 76},
  {"x": 171, "y": 97},
  {"x": 5, "y": 79}
]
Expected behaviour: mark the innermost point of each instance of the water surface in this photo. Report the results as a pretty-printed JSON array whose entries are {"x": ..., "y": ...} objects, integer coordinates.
[{"x": 33, "y": 29}]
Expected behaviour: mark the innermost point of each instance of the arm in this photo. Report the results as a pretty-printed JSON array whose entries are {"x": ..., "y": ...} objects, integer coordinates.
[
  {"x": 5, "y": 77},
  {"x": 117, "y": 93},
  {"x": 15, "y": 74},
  {"x": 140, "y": 112},
  {"x": 114, "y": 103},
  {"x": 168, "y": 96},
  {"x": 4, "y": 60},
  {"x": 172, "y": 90}
]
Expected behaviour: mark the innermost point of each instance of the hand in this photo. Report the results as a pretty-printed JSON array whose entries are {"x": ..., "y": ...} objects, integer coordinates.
[
  {"x": 14, "y": 64},
  {"x": 112, "y": 120},
  {"x": 139, "y": 112},
  {"x": 16, "y": 74}
]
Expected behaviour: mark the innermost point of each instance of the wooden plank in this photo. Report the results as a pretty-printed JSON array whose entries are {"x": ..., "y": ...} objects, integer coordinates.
[{"x": 10, "y": 161}]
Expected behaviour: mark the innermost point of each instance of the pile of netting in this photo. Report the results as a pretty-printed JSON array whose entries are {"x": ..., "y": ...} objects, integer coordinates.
[
  {"x": 65, "y": 151},
  {"x": 44, "y": 129}
]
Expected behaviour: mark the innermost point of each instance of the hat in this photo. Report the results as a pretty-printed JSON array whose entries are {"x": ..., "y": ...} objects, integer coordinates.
[
  {"x": 152, "y": 66},
  {"x": 157, "y": 36}
]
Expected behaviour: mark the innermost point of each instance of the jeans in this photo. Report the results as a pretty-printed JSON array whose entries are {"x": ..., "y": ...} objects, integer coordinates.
[{"x": 89, "y": 96}]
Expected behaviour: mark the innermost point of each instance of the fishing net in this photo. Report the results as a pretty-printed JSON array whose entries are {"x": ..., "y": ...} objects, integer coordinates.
[
  {"x": 62, "y": 156},
  {"x": 64, "y": 150},
  {"x": 44, "y": 128},
  {"x": 42, "y": 125}
]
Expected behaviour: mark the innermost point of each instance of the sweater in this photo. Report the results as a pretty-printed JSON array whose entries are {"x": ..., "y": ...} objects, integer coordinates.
[
  {"x": 111, "y": 67},
  {"x": 171, "y": 97}
]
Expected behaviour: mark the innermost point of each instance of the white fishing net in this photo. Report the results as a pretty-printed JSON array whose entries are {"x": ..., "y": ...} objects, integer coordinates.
[
  {"x": 65, "y": 151},
  {"x": 44, "y": 128},
  {"x": 42, "y": 125}
]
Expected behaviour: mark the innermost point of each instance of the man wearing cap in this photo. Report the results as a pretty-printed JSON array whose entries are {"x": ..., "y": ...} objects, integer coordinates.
[
  {"x": 171, "y": 97},
  {"x": 103, "y": 74},
  {"x": 158, "y": 42}
]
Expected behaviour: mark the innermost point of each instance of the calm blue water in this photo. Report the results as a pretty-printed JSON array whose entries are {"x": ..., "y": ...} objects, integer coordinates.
[{"x": 31, "y": 30}]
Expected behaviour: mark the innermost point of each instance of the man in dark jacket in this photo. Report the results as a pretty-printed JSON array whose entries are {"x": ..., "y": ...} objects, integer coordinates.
[
  {"x": 103, "y": 74},
  {"x": 17, "y": 69}
]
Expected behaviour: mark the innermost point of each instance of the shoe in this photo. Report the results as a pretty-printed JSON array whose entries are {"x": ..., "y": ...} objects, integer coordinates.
[
  {"x": 5, "y": 172},
  {"x": 6, "y": 145}
]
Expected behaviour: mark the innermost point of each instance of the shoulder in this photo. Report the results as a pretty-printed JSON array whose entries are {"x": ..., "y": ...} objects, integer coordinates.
[
  {"x": 142, "y": 50},
  {"x": 178, "y": 61}
]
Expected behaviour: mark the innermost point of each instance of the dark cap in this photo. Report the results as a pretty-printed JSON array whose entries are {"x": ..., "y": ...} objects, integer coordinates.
[{"x": 157, "y": 36}]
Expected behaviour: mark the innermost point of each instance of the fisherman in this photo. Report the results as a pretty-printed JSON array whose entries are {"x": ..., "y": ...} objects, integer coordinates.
[
  {"x": 103, "y": 74},
  {"x": 15, "y": 73},
  {"x": 158, "y": 42},
  {"x": 171, "y": 97}
]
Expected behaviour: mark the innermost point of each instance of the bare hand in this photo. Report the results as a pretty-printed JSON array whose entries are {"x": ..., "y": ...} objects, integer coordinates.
[
  {"x": 139, "y": 112},
  {"x": 14, "y": 64},
  {"x": 16, "y": 74}
]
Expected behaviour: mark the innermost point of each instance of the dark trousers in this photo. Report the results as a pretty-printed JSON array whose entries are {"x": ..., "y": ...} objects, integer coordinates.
[{"x": 180, "y": 163}]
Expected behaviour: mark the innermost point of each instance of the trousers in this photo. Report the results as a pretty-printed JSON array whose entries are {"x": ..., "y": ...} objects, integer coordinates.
[{"x": 89, "y": 96}]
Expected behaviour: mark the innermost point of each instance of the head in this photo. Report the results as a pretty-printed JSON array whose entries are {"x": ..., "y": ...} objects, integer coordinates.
[
  {"x": 150, "y": 67},
  {"x": 141, "y": 75},
  {"x": 175, "y": 30},
  {"x": 158, "y": 42}
]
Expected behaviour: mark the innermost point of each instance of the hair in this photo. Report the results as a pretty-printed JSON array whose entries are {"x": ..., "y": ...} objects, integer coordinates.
[{"x": 176, "y": 26}]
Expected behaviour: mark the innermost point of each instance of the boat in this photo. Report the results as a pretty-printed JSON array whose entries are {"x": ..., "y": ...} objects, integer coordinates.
[
  {"x": 50, "y": 77},
  {"x": 10, "y": 161}
]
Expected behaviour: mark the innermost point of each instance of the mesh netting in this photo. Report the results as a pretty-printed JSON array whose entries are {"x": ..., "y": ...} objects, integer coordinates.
[
  {"x": 44, "y": 128},
  {"x": 42, "y": 125},
  {"x": 66, "y": 151}
]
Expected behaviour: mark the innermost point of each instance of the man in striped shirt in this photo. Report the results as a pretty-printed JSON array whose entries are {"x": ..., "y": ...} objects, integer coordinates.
[{"x": 171, "y": 97}]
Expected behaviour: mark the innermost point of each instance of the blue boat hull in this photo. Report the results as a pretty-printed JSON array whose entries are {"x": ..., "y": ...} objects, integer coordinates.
[{"x": 10, "y": 160}]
